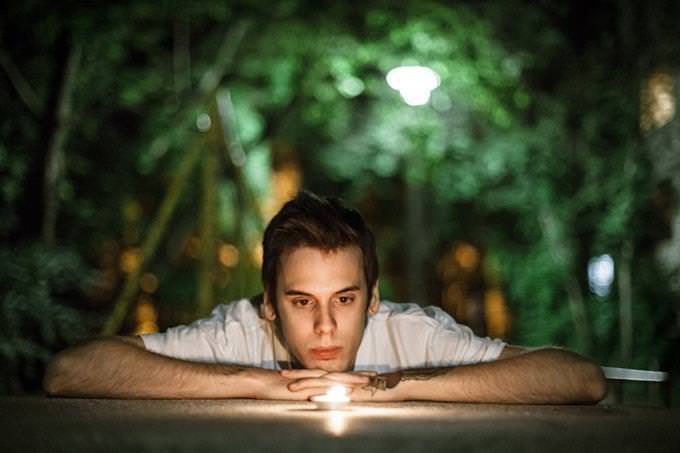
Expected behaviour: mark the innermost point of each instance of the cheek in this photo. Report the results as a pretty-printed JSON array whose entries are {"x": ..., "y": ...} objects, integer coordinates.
[
  {"x": 297, "y": 326},
  {"x": 353, "y": 324}
]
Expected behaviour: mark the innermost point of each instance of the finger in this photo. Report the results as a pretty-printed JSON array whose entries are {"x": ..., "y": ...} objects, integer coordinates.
[
  {"x": 302, "y": 374},
  {"x": 321, "y": 382},
  {"x": 367, "y": 373},
  {"x": 313, "y": 389},
  {"x": 348, "y": 378},
  {"x": 310, "y": 393},
  {"x": 309, "y": 383},
  {"x": 319, "y": 391}
]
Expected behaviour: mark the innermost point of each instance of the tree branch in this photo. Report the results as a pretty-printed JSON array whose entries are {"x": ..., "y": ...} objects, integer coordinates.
[
  {"x": 209, "y": 84},
  {"x": 55, "y": 153},
  {"x": 20, "y": 84}
]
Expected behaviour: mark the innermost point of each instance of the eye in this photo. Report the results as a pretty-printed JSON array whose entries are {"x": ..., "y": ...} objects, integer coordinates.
[
  {"x": 344, "y": 300},
  {"x": 302, "y": 302}
]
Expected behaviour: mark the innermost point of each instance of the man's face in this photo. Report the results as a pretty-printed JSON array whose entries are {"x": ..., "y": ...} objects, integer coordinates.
[{"x": 322, "y": 303}]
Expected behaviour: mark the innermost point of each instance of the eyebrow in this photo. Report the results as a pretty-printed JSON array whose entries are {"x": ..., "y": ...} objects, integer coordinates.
[{"x": 296, "y": 292}]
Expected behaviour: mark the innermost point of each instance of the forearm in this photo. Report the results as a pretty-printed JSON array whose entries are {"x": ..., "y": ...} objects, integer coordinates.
[
  {"x": 548, "y": 376},
  {"x": 113, "y": 368}
]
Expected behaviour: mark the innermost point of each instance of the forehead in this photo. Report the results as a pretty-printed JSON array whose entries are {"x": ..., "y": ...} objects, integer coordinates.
[{"x": 314, "y": 270}]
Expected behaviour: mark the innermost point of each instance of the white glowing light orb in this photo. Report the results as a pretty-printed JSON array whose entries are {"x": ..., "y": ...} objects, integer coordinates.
[
  {"x": 601, "y": 274},
  {"x": 203, "y": 122},
  {"x": 334, "y": 399},
  {"x": 414, "y": 83}
]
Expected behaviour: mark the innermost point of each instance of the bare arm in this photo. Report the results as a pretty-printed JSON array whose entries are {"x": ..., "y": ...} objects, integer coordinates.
[
  {"x": 120, "y": 367},
  {"x": 545, "y": 376}
]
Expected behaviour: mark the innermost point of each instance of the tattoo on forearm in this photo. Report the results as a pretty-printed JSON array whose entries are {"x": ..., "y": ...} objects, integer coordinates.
[
  {"x": 422, "y": 374},
  {"x": 390, "y": 380},
  {"x": 383, "y": 382}
]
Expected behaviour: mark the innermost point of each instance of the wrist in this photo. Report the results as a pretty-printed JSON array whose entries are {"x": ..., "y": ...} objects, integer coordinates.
[
  {"x": 386, "y": 381},
  {"x": 385, "y": 387},
  {"x": 253, "y": 383},
  {"x": 235, "y": 382}
]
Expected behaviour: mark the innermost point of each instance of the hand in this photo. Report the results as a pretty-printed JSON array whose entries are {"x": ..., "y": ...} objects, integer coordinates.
[
  {"x": 317, "y": 382},
  {"x": 272, "y": 385},
  {"x": 368, "y": 393},
  {"x": 359, "y": 384}
]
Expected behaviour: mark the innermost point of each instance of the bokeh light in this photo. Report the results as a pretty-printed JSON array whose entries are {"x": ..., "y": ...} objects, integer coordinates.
[{"x": 601, "y": 274}]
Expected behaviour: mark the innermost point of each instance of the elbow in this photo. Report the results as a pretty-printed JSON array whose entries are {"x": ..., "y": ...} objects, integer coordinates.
[
  {"x": 55, "y": 382},
  {"x": 595, "y": 384}
]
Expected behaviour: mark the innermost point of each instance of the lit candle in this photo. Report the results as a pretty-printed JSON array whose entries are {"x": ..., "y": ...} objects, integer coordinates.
[{"x": 335, "y": 399}]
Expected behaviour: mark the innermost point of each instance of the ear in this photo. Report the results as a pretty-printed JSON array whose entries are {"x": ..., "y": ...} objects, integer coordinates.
[
  {"x": 374, "y": 303},
  {"x": 267, "y": 309}
]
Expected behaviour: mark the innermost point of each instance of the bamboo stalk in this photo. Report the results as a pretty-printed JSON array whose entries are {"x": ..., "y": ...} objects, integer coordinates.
[
  {"x": 236, "y": 157},
  {"x": 625, "y": 304},
  {"x": 54, "y": 160},
  {"x": 234, "y": 152},
  {"x": 209, "y": 84},
  {"x": 558, "y": 246},
  {"x": 155, "y": 232},
  {"x": 209, "y": 167},
  {"x": 578, "y": 313},
  {"x": 20, "y": 84}
]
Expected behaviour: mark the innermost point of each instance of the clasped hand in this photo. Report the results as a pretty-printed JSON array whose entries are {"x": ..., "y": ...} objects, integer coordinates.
[
  {"x": 359, "y": 384},
  {"x": 303, "y": 384},
  {"x": 317, "y": 382}
]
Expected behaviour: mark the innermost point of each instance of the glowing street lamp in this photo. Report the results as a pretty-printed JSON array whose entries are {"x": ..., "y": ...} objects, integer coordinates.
[{"x": 414, "y": 83}]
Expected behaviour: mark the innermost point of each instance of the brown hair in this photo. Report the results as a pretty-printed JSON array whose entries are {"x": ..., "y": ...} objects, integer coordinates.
[{"x": 319, "y": 222}]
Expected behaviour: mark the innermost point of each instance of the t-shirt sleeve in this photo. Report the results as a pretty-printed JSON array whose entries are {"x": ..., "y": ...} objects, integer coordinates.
[
  {"x": 204, "y": 340},
  {"x": 455, "y": 344}
]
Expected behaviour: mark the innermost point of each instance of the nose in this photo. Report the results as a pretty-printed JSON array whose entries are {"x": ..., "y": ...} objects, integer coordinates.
[{"x": 324, "y": 321}]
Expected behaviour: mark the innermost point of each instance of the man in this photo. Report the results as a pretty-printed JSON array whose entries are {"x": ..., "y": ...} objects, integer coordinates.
[{"x": 320, "y": 323}]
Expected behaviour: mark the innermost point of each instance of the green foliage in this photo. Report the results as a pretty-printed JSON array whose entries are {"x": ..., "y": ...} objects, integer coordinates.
[
  {"x": 13, "y": 168},
  {"x": 37, "y": 316}
]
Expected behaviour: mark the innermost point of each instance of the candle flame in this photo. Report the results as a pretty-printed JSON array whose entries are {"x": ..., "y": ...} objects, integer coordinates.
[{"x": 337, "y": 392}]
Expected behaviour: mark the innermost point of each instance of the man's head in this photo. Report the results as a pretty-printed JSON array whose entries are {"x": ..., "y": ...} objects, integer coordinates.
[{"x": 320, "y": 274}]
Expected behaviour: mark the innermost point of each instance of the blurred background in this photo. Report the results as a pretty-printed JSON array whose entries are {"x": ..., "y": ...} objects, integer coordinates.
[{"x": 521, "y": 169}]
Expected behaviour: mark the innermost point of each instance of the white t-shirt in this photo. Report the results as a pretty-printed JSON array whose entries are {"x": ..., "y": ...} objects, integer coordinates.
[{"x": 398, "y": 336}]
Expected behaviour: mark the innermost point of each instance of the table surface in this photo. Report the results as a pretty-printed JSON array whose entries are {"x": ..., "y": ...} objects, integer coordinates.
[{"x": 34, "y": 424}]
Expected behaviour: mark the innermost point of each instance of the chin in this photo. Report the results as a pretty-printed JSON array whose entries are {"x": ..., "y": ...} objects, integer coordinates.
[{"x": 329, "y": 365}]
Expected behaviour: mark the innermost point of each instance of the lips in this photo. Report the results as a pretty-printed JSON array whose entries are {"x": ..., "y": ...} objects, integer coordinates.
[{"x": 328, "y": 353}]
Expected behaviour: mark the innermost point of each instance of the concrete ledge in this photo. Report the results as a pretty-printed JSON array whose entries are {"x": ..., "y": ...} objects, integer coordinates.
[{"x": 55, "y": 424}]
